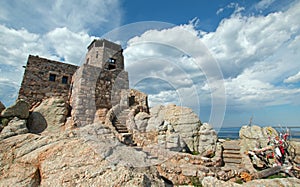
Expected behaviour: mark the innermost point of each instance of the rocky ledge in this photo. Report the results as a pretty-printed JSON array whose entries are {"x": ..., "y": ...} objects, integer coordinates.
[{"x": 168, "y": 146}]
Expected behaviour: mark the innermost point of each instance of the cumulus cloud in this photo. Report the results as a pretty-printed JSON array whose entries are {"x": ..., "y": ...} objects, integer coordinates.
[
  {"x": 77, "y": 15},
  {"x": 255, "y": 53},
  {"x": 58, "y": 30},
  {"x": 177, "y": 57},
  {"x": 293, "y": 78},
  {"x": 263, "y": 4},
  {"x": 239, "y": 42}
]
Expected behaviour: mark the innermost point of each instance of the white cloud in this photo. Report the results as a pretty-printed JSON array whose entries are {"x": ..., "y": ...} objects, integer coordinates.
[
  {"x": 57, "y": 30},
  {"x": 263, "y": 4},
  {"x": 255, "y": 54},
  {"x": 250, "y": 93},
  {"x": 293, "y": 79},
  {"x": 240, "y": 41},
  {"x": 67, "y": 45},
  {"x": 76, "y": 15},
  {"x": 16, "y": 45}
]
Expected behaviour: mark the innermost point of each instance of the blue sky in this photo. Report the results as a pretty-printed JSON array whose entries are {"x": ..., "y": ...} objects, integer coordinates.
[{"x": 227, "y": 60}]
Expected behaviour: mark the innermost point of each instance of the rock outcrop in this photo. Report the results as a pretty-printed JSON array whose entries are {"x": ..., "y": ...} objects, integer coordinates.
[
  {"x": 20, "y": 109},
  {"x": 294, "y": 150},
  {"x": 51, "y": 115},
  {"x": 13, "y": 119},
  {"x": 141, "y": 121},
  {"x": 214, "y": 182},
  {"x": 177, "y": 126},
  {"x": 207, "y": 140},
  {"x": 254, "y": 136},
  {"x": 138, "y": 100},
  {"x": 89, "y": 156},
  {"x": 95, "y": 155},
  {"x": 14, "y": 127}
]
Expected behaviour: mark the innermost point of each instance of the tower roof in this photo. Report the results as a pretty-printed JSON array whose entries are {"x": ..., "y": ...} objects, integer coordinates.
[{"x": 104, "y": 43}]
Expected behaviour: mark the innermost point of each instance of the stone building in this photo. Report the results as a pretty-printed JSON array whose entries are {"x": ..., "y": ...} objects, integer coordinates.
[
  {"x": 98, "y": 84},
  {"x": 45, "y": 78}
]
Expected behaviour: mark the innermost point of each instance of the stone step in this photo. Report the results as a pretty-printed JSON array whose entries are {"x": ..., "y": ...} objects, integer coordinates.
[
  {"x": 121, "y": 127},
  {"x": 232, "y": 160},
  {"x": 230, "y": 143},
  {"x": 228, "y": 155},
  {"x": 126, "y": 134},
  {"x": 231, "y": 147},
  {"x": 227, "y": 151},
  {"x": 123, "y": 131}
]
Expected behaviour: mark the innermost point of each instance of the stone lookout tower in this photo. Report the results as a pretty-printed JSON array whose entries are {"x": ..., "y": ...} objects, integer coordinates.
[
  {"x": 92, "y": 89},
  {"x": 100, "y": 83}
]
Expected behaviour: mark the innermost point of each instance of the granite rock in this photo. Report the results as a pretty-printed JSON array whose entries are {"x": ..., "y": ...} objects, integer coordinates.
[
  {"x": 15, "y": 127},
  {"x": 20, "y": 109},
  {"x": 89, "y": 156}
]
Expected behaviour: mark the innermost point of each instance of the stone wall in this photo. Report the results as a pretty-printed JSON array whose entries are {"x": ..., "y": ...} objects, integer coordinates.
[
  {"x": 83, "y": 94},
  {"x": 95, "y": 88},
  {"x": 45, "y": 78},
  {"x": 109, "y": 86}
]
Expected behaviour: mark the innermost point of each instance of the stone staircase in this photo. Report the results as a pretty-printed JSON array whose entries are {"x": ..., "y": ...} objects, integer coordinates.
[
  {"x": 231, "y": 154},
  {"x": 120, "y": 125}
]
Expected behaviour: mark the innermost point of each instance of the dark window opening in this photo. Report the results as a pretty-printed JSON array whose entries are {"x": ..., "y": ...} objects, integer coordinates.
[
  {"x": 52, "y": 77},
  {"x": 87, "y": 61},
  {"x": 111, "y": 66},
  {"x": 64, "y": 80},
  {"x": 131, "y": 100},
  {"x": 96, "y": 54},
  {"x": 112, "y": 61}
]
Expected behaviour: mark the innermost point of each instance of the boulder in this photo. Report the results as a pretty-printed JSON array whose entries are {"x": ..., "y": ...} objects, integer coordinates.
[
  {"x": 156, "y": 118},
  {"x": 255, "y": 137},
  {"x": 182, "y": 126},
  {"x": 169, "y": 139},
  {"x": 36, "y": 123},
  {"x": 141, "y": 121},
  {"x": 54, "y": 111},
  {"x": 207, "y": 140},
  {"x": 15, "y": 126},
  {"x": 20, "y": 109},
  {"x": 294, "y": 150}
]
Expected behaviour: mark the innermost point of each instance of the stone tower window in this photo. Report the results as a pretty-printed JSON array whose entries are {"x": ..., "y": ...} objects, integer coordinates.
[
  {"x": 64, "y": 80},
  {"x": 96, "y": 54},
  {"x": 52, "y": 77},
  {"x": 111, "y": 63}
]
